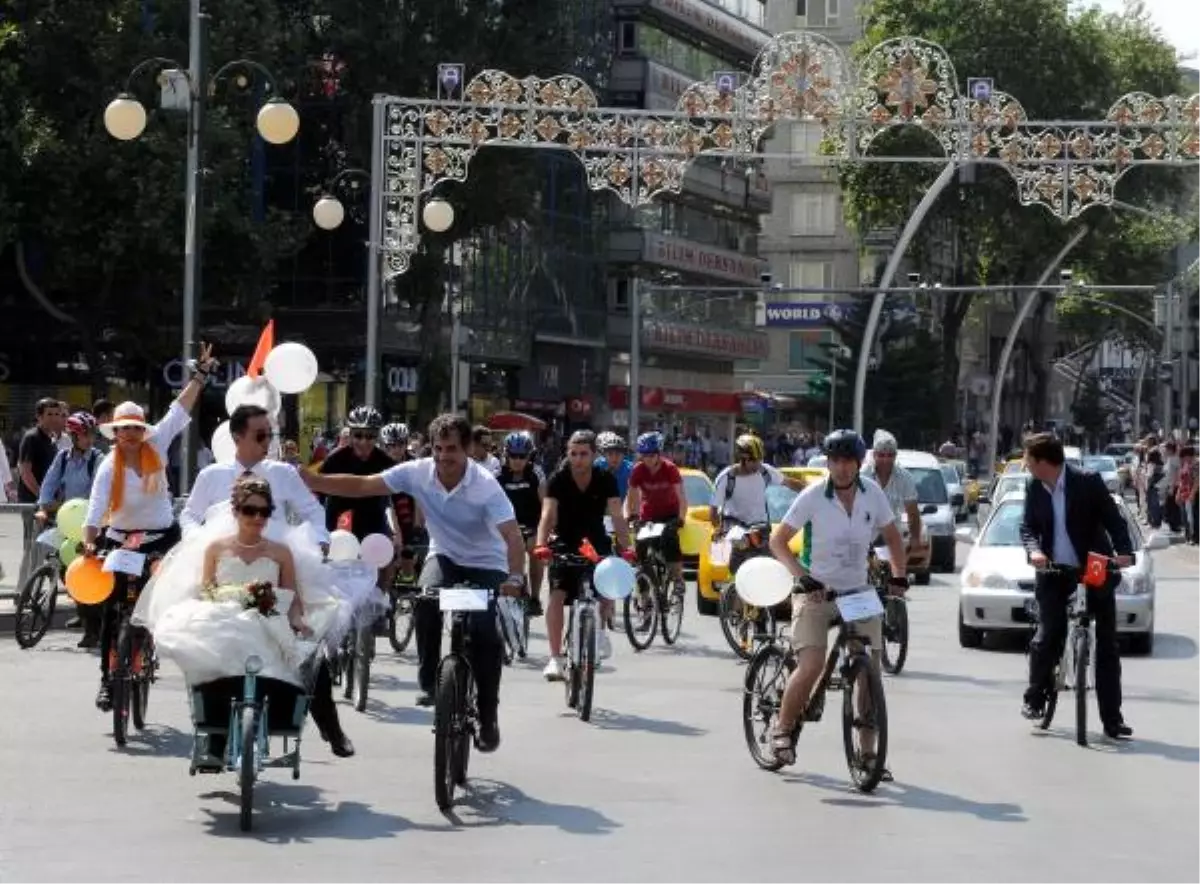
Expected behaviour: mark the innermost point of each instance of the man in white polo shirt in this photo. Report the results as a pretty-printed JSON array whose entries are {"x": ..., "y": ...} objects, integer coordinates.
[
  {"x": 473, "y": 538},
  {"x": 840, "y": 518}
]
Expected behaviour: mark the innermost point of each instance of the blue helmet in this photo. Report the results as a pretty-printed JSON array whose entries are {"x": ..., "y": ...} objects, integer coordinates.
[
  {"x": 845, "y": 443},
  {"x": 518, "y": 445},
  {"x": 649, "y": 443}
]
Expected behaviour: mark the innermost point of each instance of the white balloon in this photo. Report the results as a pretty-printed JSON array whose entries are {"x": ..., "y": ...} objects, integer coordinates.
[
  {"x": 377, "y": 550},
  {"x": 291, "y": 367},
  {"x": 252, "y": 391},
  {"x": 614, "y": 578},
  {"x": 343, "y": 546},
  {"x": 223, "y": 447},
  {"x": 763, "y": 582}
]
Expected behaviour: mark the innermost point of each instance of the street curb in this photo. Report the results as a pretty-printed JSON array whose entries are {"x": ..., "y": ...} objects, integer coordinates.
[{"x": 63, "y": 611}]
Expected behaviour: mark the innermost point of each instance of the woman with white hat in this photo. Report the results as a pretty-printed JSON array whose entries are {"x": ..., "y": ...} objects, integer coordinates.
[{"x": 130, "y": 494}]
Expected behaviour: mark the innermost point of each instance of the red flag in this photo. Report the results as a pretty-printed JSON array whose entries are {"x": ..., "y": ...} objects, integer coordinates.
[
  {"x": 266, "y": 343},
  {"x": 1096, "y": 574},
  {"x": 588, "y": 551}
]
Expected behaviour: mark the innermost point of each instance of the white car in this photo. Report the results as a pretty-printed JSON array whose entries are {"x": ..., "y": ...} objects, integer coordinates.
[
  {"x": 958, "y": 493},
  {"x": 1107, "y": 467},
  {"x": 997, "y": 580},
  {"x": 1002, "y": 487}
]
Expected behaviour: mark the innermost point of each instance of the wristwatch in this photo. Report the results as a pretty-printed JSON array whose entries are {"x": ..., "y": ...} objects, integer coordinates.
[{"x": 518, "y": 579}]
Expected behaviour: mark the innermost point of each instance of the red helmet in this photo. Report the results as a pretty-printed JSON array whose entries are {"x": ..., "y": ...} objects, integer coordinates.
[{"x": 81, "y": 422}]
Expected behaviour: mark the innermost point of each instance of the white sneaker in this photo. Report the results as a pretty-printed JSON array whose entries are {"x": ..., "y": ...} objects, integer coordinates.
[
  {"x": 604, "y": 647},
  {"x": 552, "y": 672}
]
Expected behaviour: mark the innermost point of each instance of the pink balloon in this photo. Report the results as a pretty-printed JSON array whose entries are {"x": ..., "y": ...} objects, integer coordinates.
[{"x": 377, "y": 550}]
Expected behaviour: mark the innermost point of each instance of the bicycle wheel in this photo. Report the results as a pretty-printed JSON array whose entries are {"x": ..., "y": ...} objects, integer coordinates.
[
  {"x": 865, "y": 770},
  {"x": 140, "y": 685},
  {"x": 462, "y": 752},
  {"x": 587, "y": 665},
  {"x": 35, "y": 605},
  {"x": 120, "y": 686},
  {"x": 766, "y": 678},
  {"x": 740, "y": 624},
  {"x": 571, "y": 679},
  {"x": 641, "y": 613},
  {"x": 362, "y": 660},
  {"x": 1082, "y": 655},
  {"x": 449, "y": 712},
  {"x": 671, "y": 613},
  {"x": 400, "y": 622},
  {"x": 248, "y": 769},
  {"x": 895, "y": 635}
]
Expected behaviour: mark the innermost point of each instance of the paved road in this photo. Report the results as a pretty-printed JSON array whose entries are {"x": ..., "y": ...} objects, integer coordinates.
[{"x": 659, "y": 787}]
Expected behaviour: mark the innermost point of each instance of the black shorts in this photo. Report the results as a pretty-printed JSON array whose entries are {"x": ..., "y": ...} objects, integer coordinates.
[
  {"x": 566, "y": 579},
  {"x": 668, "y": 542}
]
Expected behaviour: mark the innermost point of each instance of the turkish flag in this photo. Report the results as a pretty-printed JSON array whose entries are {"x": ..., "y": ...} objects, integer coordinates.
[
  {"x": 266, "y": 343},
  {"x": 1095, "y": 575}
]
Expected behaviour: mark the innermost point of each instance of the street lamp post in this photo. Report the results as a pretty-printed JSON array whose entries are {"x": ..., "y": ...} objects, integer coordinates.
[{"x": 125, "y": 119}]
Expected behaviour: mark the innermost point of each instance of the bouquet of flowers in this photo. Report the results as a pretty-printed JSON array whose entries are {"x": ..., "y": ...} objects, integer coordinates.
[{"x": 260, "y": 595}]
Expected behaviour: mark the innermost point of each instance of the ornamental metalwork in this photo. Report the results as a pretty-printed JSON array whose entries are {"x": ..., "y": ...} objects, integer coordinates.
[{"x": 1065, "y": 166}]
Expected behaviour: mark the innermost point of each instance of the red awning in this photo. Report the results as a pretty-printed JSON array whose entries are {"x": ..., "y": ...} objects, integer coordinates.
[{"x": 515, "y": 420}]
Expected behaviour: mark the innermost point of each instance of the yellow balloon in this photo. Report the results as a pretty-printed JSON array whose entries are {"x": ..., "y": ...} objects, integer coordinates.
[
  {"x": 67, "y": 552},
  {"x": 70, "y": 518}
]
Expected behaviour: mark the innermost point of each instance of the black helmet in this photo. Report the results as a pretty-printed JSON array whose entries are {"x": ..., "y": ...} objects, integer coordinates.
[
  {"x": 364, "y": 417},
  {"x": 845, "y": 443}
]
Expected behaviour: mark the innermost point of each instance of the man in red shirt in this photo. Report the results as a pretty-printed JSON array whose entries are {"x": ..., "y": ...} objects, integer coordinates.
[{"x": 656, "y": 494}]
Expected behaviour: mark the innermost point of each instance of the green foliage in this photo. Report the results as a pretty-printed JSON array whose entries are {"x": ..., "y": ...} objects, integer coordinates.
[
  {"x": 1089, "y": 409},
  {"x": 1061, "y": 64}
]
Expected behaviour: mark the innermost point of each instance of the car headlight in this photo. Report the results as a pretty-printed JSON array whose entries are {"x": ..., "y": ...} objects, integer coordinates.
[
  {"x": 976, "y": 579},
  {"x": 1138, "y": 584}
]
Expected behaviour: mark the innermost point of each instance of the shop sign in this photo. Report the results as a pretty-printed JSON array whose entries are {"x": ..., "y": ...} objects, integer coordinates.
[
  {"x": 709, "y": 342},
  {"x": 684, "y": 401},
  {"x": 228, "y": 372},
  {"x": 401, "y": 379},
  {"x": 684, "y": 254},
  {"x": 714, "y": 23}
]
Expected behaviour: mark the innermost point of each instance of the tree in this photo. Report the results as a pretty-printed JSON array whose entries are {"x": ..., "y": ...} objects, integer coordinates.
[
  {"x": 1060, "y": 64},
  {"x": 1089, "y": 409}
]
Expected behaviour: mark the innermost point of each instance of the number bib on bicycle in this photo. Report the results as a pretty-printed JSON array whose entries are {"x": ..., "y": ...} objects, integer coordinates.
[{"x": 835, "y": 553}]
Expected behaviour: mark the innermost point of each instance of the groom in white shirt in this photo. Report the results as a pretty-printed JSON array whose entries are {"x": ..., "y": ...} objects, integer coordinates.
[{"x": 250, "y": 426}]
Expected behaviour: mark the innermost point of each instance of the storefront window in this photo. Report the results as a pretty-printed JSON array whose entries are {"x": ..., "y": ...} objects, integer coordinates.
[
  {"x": 678, "y": 54},
  {"x": 688, "y": 222}
]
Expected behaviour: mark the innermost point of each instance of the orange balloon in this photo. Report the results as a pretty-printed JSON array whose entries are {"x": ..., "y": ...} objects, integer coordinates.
[{"x": 87, "y": 582}]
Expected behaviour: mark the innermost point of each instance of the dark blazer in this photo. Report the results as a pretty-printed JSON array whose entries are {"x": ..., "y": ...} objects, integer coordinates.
[{"x": 1094, "y": 522}]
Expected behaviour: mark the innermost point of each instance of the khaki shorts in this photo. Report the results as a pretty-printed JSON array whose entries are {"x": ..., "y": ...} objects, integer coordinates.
[{"x": 811, "y": 622}]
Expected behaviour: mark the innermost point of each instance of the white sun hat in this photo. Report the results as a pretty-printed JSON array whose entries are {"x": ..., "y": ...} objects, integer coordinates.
[{"x": 127, "y": 414}]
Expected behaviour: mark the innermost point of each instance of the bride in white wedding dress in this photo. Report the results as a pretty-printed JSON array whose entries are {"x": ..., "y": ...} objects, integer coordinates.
[{"x": 229, "y": 591}]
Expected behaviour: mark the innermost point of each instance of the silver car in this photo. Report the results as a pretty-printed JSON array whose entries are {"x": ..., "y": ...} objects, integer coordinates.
[
  {"x": 997, "y": 580},
  {"x": 1108, "y": 469}
]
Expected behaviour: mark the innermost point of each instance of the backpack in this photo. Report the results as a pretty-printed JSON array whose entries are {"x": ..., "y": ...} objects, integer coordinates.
[{"x": 732, "y": 478}]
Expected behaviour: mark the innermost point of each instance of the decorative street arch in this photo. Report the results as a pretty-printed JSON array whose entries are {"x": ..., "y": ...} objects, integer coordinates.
[{"x": 1064, "y": 165}]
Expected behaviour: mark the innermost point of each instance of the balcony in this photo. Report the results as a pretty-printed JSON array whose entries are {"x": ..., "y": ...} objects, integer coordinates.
[
  {"x": 696, "y": 20},
  {"x": 686, "y": 256}
]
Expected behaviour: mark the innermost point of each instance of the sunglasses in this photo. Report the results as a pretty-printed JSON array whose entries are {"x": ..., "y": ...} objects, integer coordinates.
[
  {"x": 518, "y": 457},
  {"x": 364, "y": 437},
  {"x": 252, "y": 511}
]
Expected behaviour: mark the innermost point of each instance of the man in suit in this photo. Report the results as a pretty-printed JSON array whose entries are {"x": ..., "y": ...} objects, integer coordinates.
[{"x": 1068, "y": 514}]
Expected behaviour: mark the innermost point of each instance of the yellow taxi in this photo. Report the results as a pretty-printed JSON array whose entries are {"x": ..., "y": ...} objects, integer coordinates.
[
  {"x": 710, "y": 577},
  {"x": 696, "y": 530}
]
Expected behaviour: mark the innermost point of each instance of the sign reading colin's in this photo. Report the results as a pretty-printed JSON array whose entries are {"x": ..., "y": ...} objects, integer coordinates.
[{"x": 811, "y": 315}]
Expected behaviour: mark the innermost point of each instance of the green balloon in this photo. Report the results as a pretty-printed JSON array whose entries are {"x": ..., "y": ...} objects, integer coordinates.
[
  {"x": 70, "y": 518},
  {"x": 67, "y": 552}
]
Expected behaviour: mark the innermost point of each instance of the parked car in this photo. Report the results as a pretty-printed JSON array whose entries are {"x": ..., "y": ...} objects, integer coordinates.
[
  {"x": 937, "y": 509},
  {"x": 1002, "y": 486},
  {"x": 954, "y": 485},
  {"x": 997, "y": 580},
  {"x": 696, "y": 529}
]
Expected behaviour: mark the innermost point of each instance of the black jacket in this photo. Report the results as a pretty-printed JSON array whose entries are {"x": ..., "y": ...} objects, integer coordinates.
[{"x": 1094, "y": 523}]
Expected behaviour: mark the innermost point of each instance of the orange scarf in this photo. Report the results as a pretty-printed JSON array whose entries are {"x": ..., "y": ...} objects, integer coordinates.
[{"x": 151, "y": 466}]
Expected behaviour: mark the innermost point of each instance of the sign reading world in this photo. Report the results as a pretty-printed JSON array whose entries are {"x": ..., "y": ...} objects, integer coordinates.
[{"x": 810, "y": 315}]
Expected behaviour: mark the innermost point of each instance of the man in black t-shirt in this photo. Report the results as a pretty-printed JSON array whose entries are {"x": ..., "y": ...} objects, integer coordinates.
[
  {"x": 34, "y": 457},
  {"x": 359, "y": 515},
  {"x": 525, "y": 484},
  {"x": 578, "y": 497}
]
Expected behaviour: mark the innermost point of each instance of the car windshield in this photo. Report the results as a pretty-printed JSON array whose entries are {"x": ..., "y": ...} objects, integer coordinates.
[
  {"x": 950, "y": 474},
  {"x": 1014, "y": 467},
  {"x": 779, "y": 498},
  {"x": 1004, "y": 527},
  {"x": 1007, "y": 485},
  {"x": 931, "y": 487},
  {"x": 1100, "y": 464},
  {"x": 697, "y": 489}
]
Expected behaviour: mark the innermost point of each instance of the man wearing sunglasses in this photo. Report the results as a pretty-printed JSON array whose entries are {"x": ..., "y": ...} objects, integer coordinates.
[{"x": 362, "y": 457}]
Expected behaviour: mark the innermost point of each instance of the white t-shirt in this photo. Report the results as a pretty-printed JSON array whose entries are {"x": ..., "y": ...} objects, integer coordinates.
[
  {"x": 836, "y": 544},
  {"x": 748, "y": 503}
]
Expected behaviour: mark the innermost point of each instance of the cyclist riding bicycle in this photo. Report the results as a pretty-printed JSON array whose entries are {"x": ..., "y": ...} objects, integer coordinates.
[
  {"x": 131, "y": 496},
  {"x": 362, "y": 457},
  {"x": 578, "y": 497},
  {"x": 410, "y": 531},
  {"x": 740, "y": 492},
  {"x": 525, "y": 484},
  {"x": 840, "y": 518},
  {"x": 69, "y": 477},
  {"x": 898, "y": 484},
  {"x": 656, "y": 494},
  {"x": 473, "y": 538},
  {"x": 614, "y": 457}
]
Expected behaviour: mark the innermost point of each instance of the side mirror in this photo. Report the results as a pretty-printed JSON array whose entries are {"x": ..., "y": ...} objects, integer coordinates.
[
  {"x": 929, "y": 509},
  {"x": 1157, "y": 541},
  {"x": 956, "y": 500}
]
